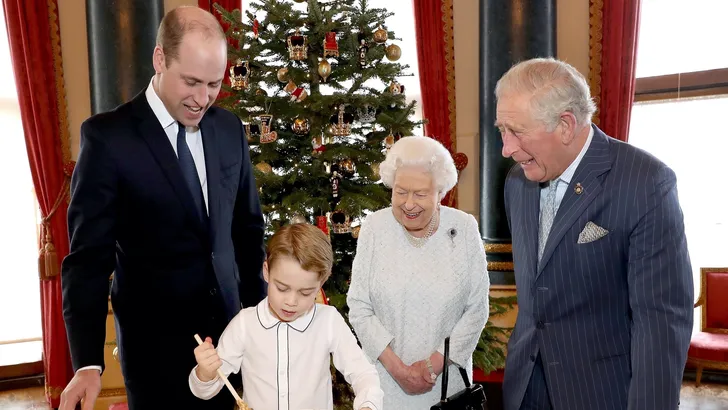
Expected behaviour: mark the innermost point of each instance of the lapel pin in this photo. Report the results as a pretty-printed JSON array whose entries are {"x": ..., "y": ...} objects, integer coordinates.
[{"x": 578, "y": 189}]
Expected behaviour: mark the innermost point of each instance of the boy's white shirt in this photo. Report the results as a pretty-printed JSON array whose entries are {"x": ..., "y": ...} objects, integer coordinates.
[{"x": 285, "y": 365}]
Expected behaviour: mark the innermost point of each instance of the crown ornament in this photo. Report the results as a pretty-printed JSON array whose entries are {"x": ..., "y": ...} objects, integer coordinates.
[
  {"x": 239, "y": 74},
  {"x": 297, "y": 46},
  {"x": 340, "y": 222},
  {"x": 341, "y": 123},
  {"x": 366, "y": 113}
]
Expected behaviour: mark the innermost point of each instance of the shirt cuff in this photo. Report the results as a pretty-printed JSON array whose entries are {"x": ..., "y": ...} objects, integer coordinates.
[
  {"x": 368, "y": 404},
  {"x": 90, "y": 367},
  {"x": 196, "y": 380}
]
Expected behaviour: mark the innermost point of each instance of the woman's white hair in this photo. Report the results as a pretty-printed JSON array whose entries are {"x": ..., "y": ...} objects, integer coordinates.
[
  {"x": 421, "y": 152},
  {"x": 555, "y": 87}
]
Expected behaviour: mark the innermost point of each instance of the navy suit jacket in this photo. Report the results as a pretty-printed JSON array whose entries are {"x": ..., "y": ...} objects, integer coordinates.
[
  {"x": 132, "y": 214},
  {"x": 612, "y": 318}
]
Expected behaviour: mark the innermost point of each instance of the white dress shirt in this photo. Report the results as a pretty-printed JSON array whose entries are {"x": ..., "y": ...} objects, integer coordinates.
[
  {"x": 565, "y": 178},
  {"x": 193, "y": 136},
  {"x": 286, "y": 365}
]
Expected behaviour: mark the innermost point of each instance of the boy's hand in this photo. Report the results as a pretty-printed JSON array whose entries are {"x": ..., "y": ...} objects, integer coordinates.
[{"x": 207, "y": 361}]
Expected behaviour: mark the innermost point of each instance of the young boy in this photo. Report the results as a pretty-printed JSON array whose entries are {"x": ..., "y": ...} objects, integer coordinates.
[{"x": 284, "y": 344}]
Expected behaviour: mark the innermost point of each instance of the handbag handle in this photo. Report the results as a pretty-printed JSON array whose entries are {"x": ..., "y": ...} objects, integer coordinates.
[{"x": 445, "y": 372}]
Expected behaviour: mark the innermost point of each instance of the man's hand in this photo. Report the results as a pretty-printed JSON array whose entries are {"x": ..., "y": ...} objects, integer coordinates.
[
  {"x": 207, "y": 361},
  {"x": 412, "y": 379},
  {"x": 85, "y": 385}
]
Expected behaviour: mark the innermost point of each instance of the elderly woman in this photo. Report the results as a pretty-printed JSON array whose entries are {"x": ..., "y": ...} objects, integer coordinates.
[{"x": 419, "y": 276}]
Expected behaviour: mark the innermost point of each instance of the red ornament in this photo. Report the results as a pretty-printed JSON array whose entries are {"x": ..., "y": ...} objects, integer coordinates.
[
  {"x": 256, "y": 24},
  {"x": 331, "y": 47},
  {"x": 299, "y": 94},
  {"x": 461, "y": 161},
  {"x": 322, "y": 224}
]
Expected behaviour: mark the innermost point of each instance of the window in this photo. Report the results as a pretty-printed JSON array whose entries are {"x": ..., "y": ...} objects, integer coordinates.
[
  {"x": 402, "y": 23},
  {"x": 681, "y": 95},
  {"x": 20, "y": 317}
]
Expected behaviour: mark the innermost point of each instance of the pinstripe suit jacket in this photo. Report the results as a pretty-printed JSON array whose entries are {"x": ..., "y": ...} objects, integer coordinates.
[{"x": 612, "y": 318}]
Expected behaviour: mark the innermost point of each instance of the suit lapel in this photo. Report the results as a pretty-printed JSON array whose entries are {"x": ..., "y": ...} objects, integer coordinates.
[
  {"x": 595, "y": 162},
  {"x": 531, "y": 200},
  {"x": 212, "y": 164},
  {"x": 153, "y": 134}
]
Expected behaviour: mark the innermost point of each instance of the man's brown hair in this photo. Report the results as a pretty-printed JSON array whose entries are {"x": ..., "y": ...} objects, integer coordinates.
[
  {"x": 175, "y": 25},
  {"x": 304, "y": 243}
]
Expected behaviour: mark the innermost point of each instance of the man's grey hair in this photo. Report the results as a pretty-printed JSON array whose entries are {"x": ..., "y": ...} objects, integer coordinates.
[
  {"x": 555, "y": 87},
  {"x": 421, "y": 152}
]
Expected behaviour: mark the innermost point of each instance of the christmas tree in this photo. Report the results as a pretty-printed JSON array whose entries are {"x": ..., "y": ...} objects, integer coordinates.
[{"x": 315, "y": 84}]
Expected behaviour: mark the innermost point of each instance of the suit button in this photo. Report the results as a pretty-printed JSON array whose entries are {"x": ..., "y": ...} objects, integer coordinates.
[
  {"x": 212, "y": 255},
  {"x": 532, "y": 357},
  {"x": 213, "y": 292},
  {"x": 540, "y": 325}
]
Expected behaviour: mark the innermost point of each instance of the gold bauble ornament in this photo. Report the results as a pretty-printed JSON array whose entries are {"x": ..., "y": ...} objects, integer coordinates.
[
  {"x": 347, "y": 166},
  {"x": 380, "y": 35},
  {"x": 264, "y": 167},
  {"x": 261, "y": 92},
  {"x": 301, "y": 126},
  {"x": 282, "y": 75},
  {"x": 393, "y": 52},
  {"x": 324, "y": 69}
]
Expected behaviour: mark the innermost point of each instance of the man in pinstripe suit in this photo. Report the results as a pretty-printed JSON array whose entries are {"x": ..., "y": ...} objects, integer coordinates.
[{"x": 603, "y": 276}]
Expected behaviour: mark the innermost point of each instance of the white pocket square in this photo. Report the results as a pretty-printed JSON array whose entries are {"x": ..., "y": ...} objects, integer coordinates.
[{"x": 591, "y": 233}]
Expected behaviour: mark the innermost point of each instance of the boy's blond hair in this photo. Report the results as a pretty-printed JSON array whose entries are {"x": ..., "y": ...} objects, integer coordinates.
[{"x": 304, "y": 243}]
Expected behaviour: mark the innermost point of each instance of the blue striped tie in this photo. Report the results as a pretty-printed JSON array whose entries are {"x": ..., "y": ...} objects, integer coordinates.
[
  {"x": 189, "y": 172},
  {"x": 546, "y": 218}
]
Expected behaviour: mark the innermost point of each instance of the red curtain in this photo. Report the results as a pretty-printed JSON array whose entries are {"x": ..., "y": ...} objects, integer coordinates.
[
  {"x": 435, "y": 57},
  {"x": 34, "y": 35},
  {"x": 614, "y": 31},
  {"x": 228, "y": 5}
]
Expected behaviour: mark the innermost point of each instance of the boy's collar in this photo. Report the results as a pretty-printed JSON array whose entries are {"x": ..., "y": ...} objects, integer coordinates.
[{"x": 268, "y": 320}]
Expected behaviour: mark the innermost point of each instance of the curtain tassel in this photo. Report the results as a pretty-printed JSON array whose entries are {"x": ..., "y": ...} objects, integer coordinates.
[{"x": 48, "y": 258}]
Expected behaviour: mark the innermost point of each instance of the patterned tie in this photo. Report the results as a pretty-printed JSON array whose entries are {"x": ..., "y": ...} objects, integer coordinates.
[
  {"x": 546, "y": 219},
  {"x": 189, "y": 172}
]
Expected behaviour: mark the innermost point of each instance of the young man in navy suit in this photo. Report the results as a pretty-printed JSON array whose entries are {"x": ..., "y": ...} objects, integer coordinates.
[
  {"x": 603, "y": 276},
  {"x": 163, "y": 196}
]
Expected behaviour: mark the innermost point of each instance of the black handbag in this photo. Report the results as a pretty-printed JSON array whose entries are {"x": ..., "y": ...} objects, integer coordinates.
[{"x": 471, "y": 398}]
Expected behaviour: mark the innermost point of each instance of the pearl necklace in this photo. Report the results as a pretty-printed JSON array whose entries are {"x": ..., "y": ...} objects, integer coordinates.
[{"x": 419, "y": 242}]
